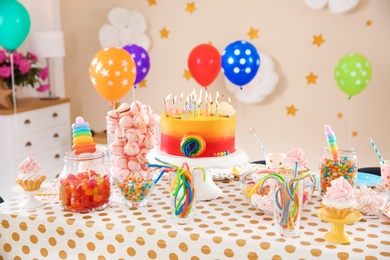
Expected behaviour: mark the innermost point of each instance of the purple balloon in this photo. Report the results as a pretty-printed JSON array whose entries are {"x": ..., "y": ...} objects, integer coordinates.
[{"x": 141, "y": 59}]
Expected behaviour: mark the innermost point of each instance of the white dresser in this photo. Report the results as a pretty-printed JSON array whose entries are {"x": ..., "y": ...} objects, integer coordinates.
[{"x": 40, "y": 129}]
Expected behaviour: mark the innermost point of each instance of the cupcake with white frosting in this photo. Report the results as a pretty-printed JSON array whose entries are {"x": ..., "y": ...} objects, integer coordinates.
[
  {"x": 30, "y": 175},
  {"x": 339, "y": 200}
]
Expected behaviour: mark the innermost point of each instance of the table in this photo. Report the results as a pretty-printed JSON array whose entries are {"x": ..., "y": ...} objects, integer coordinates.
[{"x": 224, "y": 228}]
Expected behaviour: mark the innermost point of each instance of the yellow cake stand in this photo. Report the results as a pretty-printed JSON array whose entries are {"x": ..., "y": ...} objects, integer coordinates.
[{"x": 337, "y": 234}]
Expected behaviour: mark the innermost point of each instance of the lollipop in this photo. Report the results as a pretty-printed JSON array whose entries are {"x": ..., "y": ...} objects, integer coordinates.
[
  {"x": 332, "y": 142},
  {"x": 192, "y": 145},
  {"x": 82, "y": 137}
]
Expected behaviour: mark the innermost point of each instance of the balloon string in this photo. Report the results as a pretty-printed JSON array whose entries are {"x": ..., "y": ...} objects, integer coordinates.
[
  {"x": 134, "y": 93},
  {"x": 350, "y": 122}
]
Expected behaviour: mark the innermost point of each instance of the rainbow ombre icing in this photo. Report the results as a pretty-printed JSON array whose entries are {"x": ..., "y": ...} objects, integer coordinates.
[
  {"x": 82, "y": 137},
  {"x": 218, "y": 134}
]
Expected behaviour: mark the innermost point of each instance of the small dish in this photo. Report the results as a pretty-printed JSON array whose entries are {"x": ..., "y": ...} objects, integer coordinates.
[{"x": 370, "y": 180}]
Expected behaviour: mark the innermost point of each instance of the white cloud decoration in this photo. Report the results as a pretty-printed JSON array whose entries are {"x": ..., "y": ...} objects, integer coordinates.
[
  {"x": 126, "y": 27},
  {"x": 335, "y": 6},
  {"x": 261, "y": 85}
]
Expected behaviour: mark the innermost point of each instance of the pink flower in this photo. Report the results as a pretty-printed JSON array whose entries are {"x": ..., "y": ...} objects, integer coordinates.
[
  {"x": 17, "y": 57},
  {"x": 33, "y": 56},
  {"x": 24, "y": 66},
  {"x": 5, "y": 71},
  {"x": 43, "y": 88},
  {"x": 44, "y": 73}
]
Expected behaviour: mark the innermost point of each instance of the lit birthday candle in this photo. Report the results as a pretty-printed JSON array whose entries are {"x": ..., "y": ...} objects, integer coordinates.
[
  {"x": 166, "y": 104},
  {"x": 181, "y": 100},
  {"x": 216, "y": 104},
  {"x": 186, "y": 107},
  {"x": 199, "y": 105},
  {"x": 207, "y": 104}
]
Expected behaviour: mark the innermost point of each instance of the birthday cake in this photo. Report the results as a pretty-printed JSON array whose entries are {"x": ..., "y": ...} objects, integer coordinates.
[{"x": 198, "y": 128}]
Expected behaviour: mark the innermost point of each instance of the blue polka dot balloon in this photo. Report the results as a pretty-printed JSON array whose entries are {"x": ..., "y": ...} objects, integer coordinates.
[{"x": 240, "y": 62}]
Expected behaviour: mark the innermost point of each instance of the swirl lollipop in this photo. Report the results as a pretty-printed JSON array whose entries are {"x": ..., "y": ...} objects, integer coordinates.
[{"x": 192, "y": 145}]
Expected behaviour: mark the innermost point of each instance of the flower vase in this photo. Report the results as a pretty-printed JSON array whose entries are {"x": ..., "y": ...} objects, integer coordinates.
[{"x": 6, "y": 96}]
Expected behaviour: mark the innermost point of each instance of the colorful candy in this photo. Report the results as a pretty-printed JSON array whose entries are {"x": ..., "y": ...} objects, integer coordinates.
[
  {"x": 331, "y": 170},
  {"x": 136, "y": 190},
  {"x": 84, "y": 191},
  {"x": 182, "y": 187},
  {"x": 286, "y": 197},
  {"x": 82, "y": 137},
  {"x": 192, "y": 145}
]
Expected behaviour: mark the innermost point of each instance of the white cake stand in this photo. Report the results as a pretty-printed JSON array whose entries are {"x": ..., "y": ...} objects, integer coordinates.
[
  {"x": 31, "y": 202},
  {"x": 206, "y": 189}
]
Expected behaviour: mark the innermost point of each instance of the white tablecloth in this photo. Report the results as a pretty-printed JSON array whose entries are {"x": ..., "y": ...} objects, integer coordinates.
[{"x": 224, "y": 228}]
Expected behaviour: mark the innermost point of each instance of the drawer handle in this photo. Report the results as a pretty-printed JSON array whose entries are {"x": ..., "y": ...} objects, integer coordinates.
[
  {"x": 56, "y": 135},
  {"x": 56, "y": 156},
  {"x": 27, "y": 121},
  {"x": 54, "y": 114},
  {"x": 28, "y": 144}
]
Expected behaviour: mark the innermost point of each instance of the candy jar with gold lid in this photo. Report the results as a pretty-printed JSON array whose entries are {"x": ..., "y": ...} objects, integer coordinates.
[{"x": 85, "y": 182}]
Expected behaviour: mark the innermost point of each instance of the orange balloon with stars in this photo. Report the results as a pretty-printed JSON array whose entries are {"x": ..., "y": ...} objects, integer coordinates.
[{"x": 113, "y": 72}]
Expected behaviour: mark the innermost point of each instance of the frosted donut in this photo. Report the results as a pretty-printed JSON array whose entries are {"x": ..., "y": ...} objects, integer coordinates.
[{"x": 192, "y": 145}]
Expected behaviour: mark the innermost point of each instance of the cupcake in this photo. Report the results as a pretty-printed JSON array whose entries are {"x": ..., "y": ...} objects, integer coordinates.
[
  {"x": 30, "y": 175},
  {"x": 339, "y": 200},
  {"x": 292, "y": 157}
]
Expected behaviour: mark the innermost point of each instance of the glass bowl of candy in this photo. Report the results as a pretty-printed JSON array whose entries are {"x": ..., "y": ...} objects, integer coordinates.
[
  {"x": 371, "y": 201},
  {"x": 136, "y": 190},
  {"x": 85, "y": 182},
  {"x": 261, "y": 196}
]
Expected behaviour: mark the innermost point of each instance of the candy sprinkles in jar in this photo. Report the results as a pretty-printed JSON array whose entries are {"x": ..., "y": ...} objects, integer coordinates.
[
  {"x": 85, "y": 182},
  {"x": 344, "y": 165}
]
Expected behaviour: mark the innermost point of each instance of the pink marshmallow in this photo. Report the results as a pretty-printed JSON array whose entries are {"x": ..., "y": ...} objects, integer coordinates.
[
  {"x": 117, "y": 148},
  {"x": 132, "y": 148},
  {"x": 123, "y": 110},
  {"x": 136, "y": 108},
  {"x": 132, "y": 135},
  {"x": 133, "y": 165},
  {"x": 126, "y": 122},
  {"x": 154, "y": 120},
  {"x": 112, "y": 116},
  {"x": 120, "y": 135}
]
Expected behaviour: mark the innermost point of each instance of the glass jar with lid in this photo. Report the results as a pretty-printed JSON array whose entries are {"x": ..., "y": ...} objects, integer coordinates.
[
  {"x": 85, "y": 182},
  {"x": 342, "y": 164}
]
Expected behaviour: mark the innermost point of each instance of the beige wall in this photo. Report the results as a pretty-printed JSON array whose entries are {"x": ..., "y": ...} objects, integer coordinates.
[{"x": 286, "y": 30}]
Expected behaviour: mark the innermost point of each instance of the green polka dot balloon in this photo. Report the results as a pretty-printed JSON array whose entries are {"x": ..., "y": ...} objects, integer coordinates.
[{"x": 353, "y": 73}]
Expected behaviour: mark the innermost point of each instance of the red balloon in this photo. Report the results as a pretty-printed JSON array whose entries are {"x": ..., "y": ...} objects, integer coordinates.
[{"x": 204, "y": 63}]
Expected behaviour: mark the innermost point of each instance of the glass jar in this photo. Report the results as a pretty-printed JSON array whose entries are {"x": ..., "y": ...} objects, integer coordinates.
[
  {"x": 344, "y": 164},
  {"x": 85, "y": 182}
]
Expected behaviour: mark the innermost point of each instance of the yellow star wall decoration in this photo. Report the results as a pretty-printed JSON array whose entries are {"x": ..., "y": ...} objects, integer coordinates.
[
  {"x": 318, "y": 40},
  {"x": 164, "y": 33},
  {"x": 311, "y": 78},
  {"x": 142, "y": 84},
  {"x": 291, "y": 110},
  {"x": 187, "y": 74},
  {"x": 253, "y": 33},
  {"x": 368, "y": 23},
  {"x": 190, "y": 7},
  {"x": 340, "y": 115},
  {"x": 354, "y": 133},
  {"x": 152, "y": 2}
]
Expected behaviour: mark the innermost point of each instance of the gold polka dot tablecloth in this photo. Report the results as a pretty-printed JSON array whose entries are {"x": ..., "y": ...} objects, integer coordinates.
[{"x": 224, "y": 228}]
